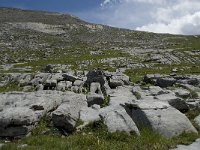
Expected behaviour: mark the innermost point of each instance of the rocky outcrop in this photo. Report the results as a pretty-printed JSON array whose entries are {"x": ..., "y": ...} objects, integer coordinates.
[
  {"x": 67, "y": 114},
  {"x": 161, "y": 117},
  {"x": 117, "y": 119},
  {"x": 125, "y": 108}
]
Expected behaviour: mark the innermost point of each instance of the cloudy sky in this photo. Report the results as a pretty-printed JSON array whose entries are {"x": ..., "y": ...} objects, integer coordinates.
[{"x": 161, "y": 16}]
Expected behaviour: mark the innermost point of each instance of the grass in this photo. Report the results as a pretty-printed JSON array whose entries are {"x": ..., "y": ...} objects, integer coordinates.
[
  {"x": 13, "y": 86},
  {"x": 95, "y": 136},
  {"x": 137, "y": 95},
  {"x": 75, "y": 57},
  {"x": 193, "y": 94},
  {"x": 106, "y": 101}
]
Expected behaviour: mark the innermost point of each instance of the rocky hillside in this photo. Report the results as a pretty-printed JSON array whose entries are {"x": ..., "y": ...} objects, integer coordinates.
[
  {"x": 32, "y": 39},
  {"x": 69, "y": 84}
]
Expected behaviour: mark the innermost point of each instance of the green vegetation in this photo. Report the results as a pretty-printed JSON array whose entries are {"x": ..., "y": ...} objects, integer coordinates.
[
  {"x": 137, "y": 95},
  {"x": 193, "y": 94},
  {"x": 95, "y": 136},
  {"x": 10, "y": 87},
  {"x": 106, "y": 101},
  {"x": 192, "y": 114}
]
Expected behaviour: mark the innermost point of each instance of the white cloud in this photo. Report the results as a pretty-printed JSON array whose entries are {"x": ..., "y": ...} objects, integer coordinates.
[{"x": 161, "y": 16}]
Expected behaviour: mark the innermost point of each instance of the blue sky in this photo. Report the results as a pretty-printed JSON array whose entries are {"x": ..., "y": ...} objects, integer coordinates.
[
  {"x": 70, "y": 6},
  {"x": 160, "y": 16}
]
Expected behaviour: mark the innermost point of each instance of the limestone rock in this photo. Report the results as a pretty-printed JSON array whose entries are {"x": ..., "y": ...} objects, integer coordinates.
[
  {"x": 67, "y": 114},
  {"x": 119, "y": 120},
  {"x": 165, "y": 82},
  {"x": 93, "y": 98},
  {"x": 161, "y": 117}
]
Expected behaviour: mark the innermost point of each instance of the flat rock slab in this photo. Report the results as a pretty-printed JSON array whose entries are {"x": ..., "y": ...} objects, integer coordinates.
[
  {"x": 193, "y": 146},
  {"x": 121, "y": 95},
  {"x": 161, "y": 117}
]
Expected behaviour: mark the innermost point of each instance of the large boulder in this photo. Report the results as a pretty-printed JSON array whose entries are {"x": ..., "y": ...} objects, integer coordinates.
[
  {"x": 117, "y": 78},
  {"x": 161, "y": 117},
  {"x": 113, "y": 83},
  {"x": 50, "y": 84},
  {"x": 17, "y": 122},
  {"x": 67, "y": 114},
  {"x": 93, "y": 98},
  {"x": 116, "y": 118},
  {"x": 165, "y": 82},
  {"x": 20, "y": 112},
  {"x": 96, "y": 76},
  {"x": 89, "y": 114}
]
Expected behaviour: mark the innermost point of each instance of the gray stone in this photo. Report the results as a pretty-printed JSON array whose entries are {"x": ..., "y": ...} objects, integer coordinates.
[
  {"x": 78, "y": 83},
  {"x": 17, "y": 116},
  {"x": 61, "y": 86},
  {"x": 93, "y": 98},
  {"x": 151, "y": 78},
  {"x": 67, "y": 114},
  {"x": 117, "y": 119},
  {"x": 58, "y": 77},
  {"x": 165, "y": 82},
  {"x": 17, "y": 121},
  {"x": 39, "y": 87},
  {"x": 68, "y": 77},
  {"x": 36, "y": 81},
  {"x": 193, "y": 104},
  {"x": 89, "y": 114},
  {"x": 50, "y": 84},
  {"x": 120, "y": 77},
  {"x": 174, "y": 101},
  {"x": 17, "y": 131},
  {"x": 95, "y": 76},
  {"x": 156, "y": 90},
  {"x": 161, "y": 117},
  {"x": 95, "y": 87},
  {"x": 48, "y": 68},
  {"x": 113, "y": 83},
  {"x": 182, "y": 93},
  {"x": 121, "y": 95}
]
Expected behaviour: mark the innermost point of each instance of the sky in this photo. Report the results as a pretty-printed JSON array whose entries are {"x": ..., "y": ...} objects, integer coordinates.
[{"x": 160, "y": 16}]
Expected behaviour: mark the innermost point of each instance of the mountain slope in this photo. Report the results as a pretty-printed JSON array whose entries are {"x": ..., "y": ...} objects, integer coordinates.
[{"x": 37, "y": 38}]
